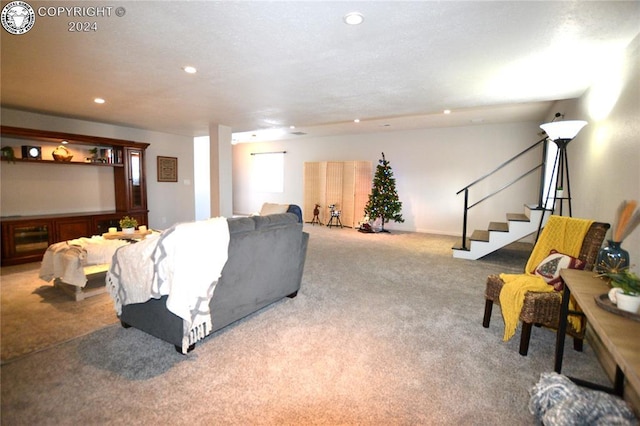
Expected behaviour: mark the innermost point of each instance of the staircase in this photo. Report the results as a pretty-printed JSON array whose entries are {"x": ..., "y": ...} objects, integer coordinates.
[
  {"x": 500, "y": 234},
  {"x": 517, "y": 226}
]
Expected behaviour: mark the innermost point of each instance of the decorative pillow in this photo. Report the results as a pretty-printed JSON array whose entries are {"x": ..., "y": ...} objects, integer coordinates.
[
  {"x": 272, "y": 208},
  {"x": 549, "y": 268}
]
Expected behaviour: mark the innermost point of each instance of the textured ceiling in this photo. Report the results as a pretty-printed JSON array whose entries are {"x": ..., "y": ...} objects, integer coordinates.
[{"x": 268, "y": 65}]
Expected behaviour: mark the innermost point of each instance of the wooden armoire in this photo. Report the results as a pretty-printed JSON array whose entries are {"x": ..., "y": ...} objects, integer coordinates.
[{"x": 346, "y": 184}]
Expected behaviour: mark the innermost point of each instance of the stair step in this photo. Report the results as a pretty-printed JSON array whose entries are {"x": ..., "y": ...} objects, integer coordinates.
[
  {"x": 479, "y": 235},
  {"x": 458, "y": 245},
  {"x": 517, "y": 217},
  {"x": 499, "y": 226},
  {"x": 500, "y": 234}
]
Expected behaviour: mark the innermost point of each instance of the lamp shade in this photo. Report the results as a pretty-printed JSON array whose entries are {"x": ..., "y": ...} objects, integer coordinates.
[{"x": 563, "y": 129}]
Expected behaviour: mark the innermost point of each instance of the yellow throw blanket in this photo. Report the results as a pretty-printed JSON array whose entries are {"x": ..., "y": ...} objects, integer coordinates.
[{"x": 563, "y": 234}]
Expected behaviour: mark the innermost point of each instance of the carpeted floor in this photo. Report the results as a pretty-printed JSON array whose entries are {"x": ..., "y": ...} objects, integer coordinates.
[
  {"x": 34, "y": 315},
  {"x": 385, "y": 330}
]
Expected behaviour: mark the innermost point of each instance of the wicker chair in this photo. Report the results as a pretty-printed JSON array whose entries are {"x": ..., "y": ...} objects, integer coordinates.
[{"x": 543, "y": 309}]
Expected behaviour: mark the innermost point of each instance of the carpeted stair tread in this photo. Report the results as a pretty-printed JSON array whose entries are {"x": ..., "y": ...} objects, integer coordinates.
[
  {"x": 499, "y": 226},
  {"x": 518, "y": 217},
  {"x": 480, "y": 235}
]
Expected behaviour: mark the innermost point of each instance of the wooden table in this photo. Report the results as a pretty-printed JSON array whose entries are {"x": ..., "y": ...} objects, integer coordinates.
[
  {"x": 620, "y": 336},
  {"x": 137, "y": 235},
  {"x": 96, "y": 275}
]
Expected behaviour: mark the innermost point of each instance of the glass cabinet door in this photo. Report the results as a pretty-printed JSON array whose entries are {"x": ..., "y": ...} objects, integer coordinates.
[
  {"x": 136, "y": 180},
  {"x": 30, "y": 238}
]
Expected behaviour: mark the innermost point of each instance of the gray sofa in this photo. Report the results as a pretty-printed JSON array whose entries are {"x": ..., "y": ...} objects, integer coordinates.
[{"x": 265, "y": 264}]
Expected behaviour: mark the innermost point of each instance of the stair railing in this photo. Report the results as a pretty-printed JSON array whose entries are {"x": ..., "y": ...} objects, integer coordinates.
[{"x": 468, "y": 207}]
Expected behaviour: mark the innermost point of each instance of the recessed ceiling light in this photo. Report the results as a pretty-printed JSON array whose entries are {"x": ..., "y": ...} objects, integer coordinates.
[
  {"x": 65, "y": 142},
  {"x": 353, "y": 18},
  {"x": 99, "y": 100},
  {"x": 292, "y": 127},
  {"x": 447, "y": 111},
  {"x": 357, "y": 120},
  {"x": 189, "y": 69}
]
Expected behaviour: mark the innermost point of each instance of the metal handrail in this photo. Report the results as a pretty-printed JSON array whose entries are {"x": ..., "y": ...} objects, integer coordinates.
[
  {"x": 515, "y": 157},
  {"x": 506, "y": 186},
  {"x": 467, "y": 207}
]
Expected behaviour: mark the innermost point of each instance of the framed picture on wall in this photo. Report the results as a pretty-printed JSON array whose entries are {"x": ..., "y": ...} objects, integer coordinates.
[{"x": 167, "y": 169}]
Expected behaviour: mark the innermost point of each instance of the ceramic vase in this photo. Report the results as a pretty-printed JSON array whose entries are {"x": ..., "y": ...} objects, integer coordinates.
[
  {"x": 128, "y": 230},
  {"x": 612, "y": 257}
]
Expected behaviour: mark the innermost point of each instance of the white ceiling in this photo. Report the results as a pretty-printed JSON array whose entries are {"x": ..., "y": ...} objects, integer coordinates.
[{"x": 269, "y": 65}]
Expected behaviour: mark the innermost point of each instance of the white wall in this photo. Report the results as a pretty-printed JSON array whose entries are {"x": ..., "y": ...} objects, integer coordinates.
[
  {"x": 429, "y": 166},
  {"x": 201, "y": 179},
  {"x": 604, "y": 159},
  {"x": 168, "y": 203}
]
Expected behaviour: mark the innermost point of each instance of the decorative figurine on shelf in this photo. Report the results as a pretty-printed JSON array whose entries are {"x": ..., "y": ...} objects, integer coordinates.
[{"x": 335, "y": 214}]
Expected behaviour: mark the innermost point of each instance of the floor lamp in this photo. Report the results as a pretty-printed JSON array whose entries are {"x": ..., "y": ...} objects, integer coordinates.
[{"x": 561, "y": 133}]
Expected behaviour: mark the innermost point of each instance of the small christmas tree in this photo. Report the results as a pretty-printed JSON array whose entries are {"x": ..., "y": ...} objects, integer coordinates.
[{"x": 383, "y": 201}]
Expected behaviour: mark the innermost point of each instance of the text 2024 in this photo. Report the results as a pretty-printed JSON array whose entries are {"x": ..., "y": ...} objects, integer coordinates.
[{"x": 82, "y": 27}]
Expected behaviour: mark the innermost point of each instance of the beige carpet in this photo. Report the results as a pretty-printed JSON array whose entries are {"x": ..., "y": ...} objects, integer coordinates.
[
  {"x": 385, "y": 330},
  {"x": 35, "y": 315}
]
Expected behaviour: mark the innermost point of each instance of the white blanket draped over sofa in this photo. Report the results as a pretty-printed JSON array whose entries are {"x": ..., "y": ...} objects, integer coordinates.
[{"x": 184, "y": 263}]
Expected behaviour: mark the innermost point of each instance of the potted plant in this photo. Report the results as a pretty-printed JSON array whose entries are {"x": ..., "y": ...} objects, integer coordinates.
[
  {"x": 94, "y": 155},
  {"x": 7, "y": 152},
  {"x": 625, "y": 292},
  {"x": 559, "y": 192},
  {"x": 128, "y": 225}
]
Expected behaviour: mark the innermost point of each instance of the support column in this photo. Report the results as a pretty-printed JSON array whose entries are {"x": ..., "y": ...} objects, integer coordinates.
[{"x": 221, "y": 161}]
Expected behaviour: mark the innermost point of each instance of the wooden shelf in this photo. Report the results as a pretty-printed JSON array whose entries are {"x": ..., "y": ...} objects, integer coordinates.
[
  {"x": 58, "y": 137},
  {"x": 75, "y": 163},
  {"x": 129, "y": 183}
]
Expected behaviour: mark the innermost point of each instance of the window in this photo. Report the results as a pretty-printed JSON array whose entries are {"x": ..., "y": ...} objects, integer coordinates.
[
  {"x": 268, "y": 171},
  {"x": 550, "y": 175}
]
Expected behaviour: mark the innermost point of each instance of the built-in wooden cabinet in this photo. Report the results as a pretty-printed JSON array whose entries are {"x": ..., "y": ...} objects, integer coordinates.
[
  {"x": 73, "y": 227},
  {"x": 129, "y": 182},
  {"x": 25, "y": 238},
  {"x": 25, "y": 241}
]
